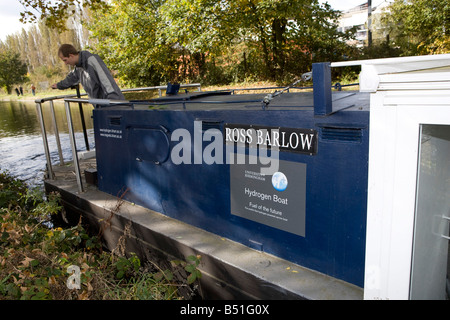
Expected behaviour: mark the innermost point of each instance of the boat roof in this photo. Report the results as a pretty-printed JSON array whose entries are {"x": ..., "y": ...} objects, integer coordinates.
[{"x": 225, "y": 100}]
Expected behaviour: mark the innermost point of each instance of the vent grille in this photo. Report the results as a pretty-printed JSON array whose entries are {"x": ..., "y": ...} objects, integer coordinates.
[
  {"x": 115, "y": 121},
  {"x": 341, "y": 134},
  {"x": 206, "y": 125}
]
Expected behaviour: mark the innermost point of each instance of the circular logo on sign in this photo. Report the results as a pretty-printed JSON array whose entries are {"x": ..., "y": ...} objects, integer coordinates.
[{"x": 279, "y": 181}]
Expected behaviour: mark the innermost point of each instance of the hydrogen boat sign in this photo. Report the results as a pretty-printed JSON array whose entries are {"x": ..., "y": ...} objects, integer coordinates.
[
  {"x": 274, "y": 196},
  {"x": 277, "y": 200}
]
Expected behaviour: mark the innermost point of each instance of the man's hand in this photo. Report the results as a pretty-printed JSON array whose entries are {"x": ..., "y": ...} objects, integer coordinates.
[{"x": 54, "y": 86}]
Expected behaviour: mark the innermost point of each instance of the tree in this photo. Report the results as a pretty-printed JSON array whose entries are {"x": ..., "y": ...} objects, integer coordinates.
[
  {"x": 279, "y": 37},
  {"x": 199, "y": 31},
  {"x": 126, "y": 34},
  {"x": 419, "y": 26},
  {"x": 55, "y": 13},
  {"x": 150, "y": 42},
  {"x": 12, "y": 70},
  {"x": 211, "y": 41},
  {"x": 38, "y": 47}
]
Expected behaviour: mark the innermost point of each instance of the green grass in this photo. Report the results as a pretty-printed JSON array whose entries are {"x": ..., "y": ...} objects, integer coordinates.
[{"x": 28, "y": 96}]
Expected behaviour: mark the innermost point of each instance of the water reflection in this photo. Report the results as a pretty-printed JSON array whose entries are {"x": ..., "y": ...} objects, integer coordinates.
[
  {"x": 17, "y": 118},
  {"x": 21, "y": 145}
]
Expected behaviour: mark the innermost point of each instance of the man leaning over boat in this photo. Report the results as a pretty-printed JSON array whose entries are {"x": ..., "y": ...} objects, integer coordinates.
[{"x": 90, "y": 71}]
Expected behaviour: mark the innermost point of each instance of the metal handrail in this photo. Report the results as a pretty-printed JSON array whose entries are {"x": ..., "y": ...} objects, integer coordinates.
[{"x": 76, "y": 98}]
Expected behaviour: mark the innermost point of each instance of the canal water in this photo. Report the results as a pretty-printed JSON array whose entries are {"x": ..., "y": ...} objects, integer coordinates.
[{"x": 21, "y": 144}]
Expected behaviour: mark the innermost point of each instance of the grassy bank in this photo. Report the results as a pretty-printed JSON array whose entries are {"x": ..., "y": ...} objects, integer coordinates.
[
  {"x": 240, "y": 87},
  {"x": 68, "y": 263},
  {"x": 27, "y": 96}
]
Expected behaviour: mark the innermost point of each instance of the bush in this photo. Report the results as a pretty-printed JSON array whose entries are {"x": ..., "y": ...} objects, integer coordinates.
[{"x": 37, "y": 262}]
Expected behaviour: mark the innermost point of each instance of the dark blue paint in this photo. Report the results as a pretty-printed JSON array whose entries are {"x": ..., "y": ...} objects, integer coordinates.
[
  {"x": 322, "y": 88},
  {"x": 199, "y": 194}
]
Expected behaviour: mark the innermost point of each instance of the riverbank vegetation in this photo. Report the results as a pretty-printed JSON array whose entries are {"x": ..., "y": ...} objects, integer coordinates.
[
  {"x": 39, "y": 260},
  {"x": 153, "y": 42}
]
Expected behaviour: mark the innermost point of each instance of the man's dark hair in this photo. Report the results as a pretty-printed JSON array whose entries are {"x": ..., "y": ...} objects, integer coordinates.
[{"x": 67, "y": 49}]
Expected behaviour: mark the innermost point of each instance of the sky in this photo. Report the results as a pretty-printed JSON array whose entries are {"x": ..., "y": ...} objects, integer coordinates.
[
  {"x": 9, "y": 18},
  {"x": 10, "y": 13}
]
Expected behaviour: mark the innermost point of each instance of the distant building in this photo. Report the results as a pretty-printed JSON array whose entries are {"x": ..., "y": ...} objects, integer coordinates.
[{"x": 358, "y": 16}]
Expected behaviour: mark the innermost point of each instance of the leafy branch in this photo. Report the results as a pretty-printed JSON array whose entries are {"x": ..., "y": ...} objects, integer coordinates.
[{"x": 55, "y": 13}]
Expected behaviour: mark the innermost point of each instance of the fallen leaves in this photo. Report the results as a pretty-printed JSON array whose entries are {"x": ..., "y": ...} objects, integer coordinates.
[{"x": 26, "y": 262}]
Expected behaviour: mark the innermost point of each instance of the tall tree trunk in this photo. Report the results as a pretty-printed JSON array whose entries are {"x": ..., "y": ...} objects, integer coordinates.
[{"x": 278, "y": 41}]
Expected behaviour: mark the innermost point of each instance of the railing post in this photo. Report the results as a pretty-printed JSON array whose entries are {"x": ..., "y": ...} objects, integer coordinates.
[
  {"x": 83, "y": 122},
  {"x": 55, "y": 128},
  {"x": 73, "y": 144},
  {"x": 44, "y": 138}
]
